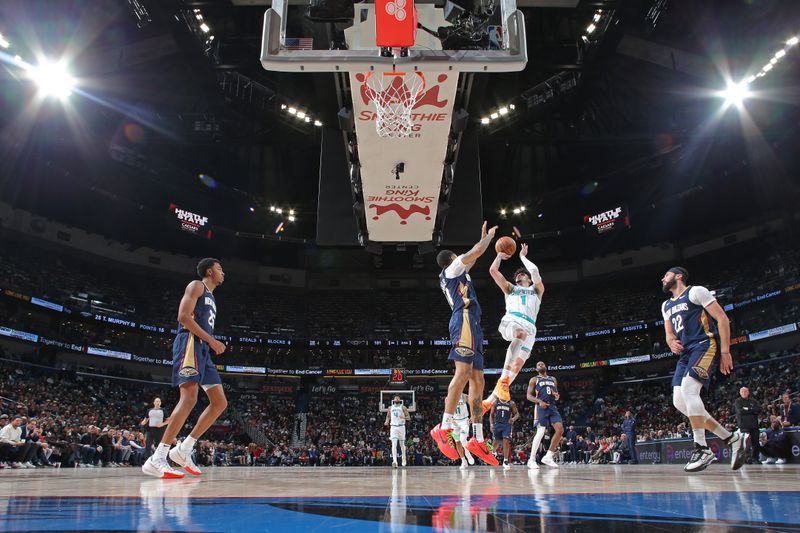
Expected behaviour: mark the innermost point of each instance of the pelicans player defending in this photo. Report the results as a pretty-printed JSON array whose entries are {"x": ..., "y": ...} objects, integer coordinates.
[
  {"x": 396, "y": 418},
  {"x": 518, "y": 325},
  {"x": 698, "y": 330},
  {"x": 466, "y": 352},
  {"x": 192, "y": 368}
]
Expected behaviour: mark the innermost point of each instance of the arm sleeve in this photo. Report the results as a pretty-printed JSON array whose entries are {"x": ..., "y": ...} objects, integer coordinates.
[
  {"x": 456, "y": 268},
  {"x": 701, "y": 296},
  {"x": 533, "y": 269}
]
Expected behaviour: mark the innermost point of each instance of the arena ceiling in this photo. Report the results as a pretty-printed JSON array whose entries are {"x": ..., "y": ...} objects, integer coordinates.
[{"x": 159, "y": 105}]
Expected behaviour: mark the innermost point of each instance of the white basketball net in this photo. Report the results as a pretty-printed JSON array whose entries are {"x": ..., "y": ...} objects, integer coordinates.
[{"x": 394, "y": 95}]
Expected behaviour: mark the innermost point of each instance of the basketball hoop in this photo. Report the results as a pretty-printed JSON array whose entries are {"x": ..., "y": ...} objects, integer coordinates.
[{"x": 394, "y": 95}]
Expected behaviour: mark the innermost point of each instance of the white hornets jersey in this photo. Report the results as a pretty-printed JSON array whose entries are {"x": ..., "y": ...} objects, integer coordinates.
[
  {"x": 397, "y": 416},
  {"x": 523, "y": 303}
]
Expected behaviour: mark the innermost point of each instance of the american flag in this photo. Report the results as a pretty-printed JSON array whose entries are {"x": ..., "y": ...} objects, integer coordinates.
[{"x": 299, "y": 43}]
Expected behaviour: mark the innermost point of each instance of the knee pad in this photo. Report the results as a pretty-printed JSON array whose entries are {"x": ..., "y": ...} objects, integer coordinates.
[
  {"x": 690, "y": 390},
  {"x": 677, "y": 400}
]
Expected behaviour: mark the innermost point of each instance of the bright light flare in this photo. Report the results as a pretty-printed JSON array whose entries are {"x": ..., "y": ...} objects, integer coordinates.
[
  {"x": 52, "y": 79},
  {"x": 735, "y": 93}
]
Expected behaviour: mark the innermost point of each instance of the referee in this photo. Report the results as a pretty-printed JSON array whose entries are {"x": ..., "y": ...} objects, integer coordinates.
[{"x": 155, "y": 427}]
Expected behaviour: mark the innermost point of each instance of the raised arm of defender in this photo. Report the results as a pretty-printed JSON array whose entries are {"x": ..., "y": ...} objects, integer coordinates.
[{"x": 480, "y": 247}]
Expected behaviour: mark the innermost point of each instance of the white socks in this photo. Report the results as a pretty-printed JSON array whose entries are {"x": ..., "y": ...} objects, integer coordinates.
[
  {"x": 718, "y": 430},
  {"x": 699, "y": 436},
  {"x": 188, "y": 445},
  {"x": 477, "y": 430},
  {"x": 161, "y": 451},
  {"x": 447, "y": 421}
]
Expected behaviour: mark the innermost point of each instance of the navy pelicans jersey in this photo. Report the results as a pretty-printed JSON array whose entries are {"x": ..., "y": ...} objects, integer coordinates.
[
  {"x": 692, "y": 324},
  {"x": 205, "y": 312},
  {"x": 546, "y": 389},
  {"x": 459, "y": 291},
  {"x": 502, "y": 413}
]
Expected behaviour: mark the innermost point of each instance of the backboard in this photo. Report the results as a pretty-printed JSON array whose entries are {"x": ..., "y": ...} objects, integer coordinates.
[{"x": 401, "y": 183}]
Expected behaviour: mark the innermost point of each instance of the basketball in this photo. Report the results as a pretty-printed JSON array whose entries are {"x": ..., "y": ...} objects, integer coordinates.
[{"x": 505, "y": 245}]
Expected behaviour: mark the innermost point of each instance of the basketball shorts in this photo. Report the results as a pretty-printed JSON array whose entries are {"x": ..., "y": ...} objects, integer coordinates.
[
  {"x": 510, "y": 323},
  {"x": 547, "y": 417},
  {"x": 502, "y": 431},
  {"x": 698, "y": 362},
  {"x": 191, "y": 362},
  {"x": 466, "y": 340},
  {"x": 461, "y": 427},
  {"x": 398, "y": 432}
]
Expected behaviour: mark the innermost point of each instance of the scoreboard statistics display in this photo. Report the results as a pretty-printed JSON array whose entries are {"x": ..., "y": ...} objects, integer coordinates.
[
  {"x": 190, "y": 222},
  {"x": 608, "y": 220}
]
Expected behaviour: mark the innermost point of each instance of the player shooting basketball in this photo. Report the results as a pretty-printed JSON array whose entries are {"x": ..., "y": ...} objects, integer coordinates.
[{"x": 518, "y": 325}]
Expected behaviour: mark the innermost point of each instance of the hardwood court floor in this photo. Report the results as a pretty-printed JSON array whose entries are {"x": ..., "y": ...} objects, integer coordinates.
[{"x": 574, "y": 498}]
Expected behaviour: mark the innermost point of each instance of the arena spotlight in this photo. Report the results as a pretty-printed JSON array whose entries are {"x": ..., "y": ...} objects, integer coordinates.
[
  {"x": 52, "y": 79},
  {"x": 485, "y": 120},
  {"x": 793, "y": 41},
  {"x": 735, "y": 93},
  {"x": 4, "y": 42}
]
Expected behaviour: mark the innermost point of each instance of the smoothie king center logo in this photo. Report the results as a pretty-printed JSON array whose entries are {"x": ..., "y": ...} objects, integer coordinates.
[
  {"x": 430, "y": 97},
  {"x": 404, "y": 201}
]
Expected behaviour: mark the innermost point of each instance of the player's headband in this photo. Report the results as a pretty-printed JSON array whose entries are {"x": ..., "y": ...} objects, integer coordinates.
[{"x": 682, "y": 271}]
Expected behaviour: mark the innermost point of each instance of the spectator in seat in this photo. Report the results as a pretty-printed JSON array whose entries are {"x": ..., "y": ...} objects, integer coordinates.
[
  {"x": 776, "y": 447},
  {"x": 570, "y": 441},
  {"x": 789, "y": 411},
  {"x": 13, "y": 448},
  {"x": 41, "y": 451}
]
